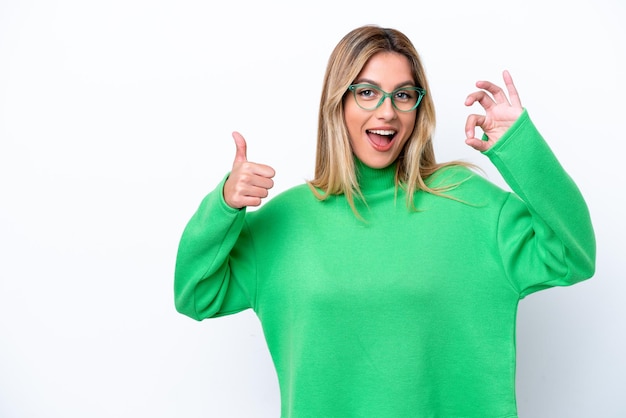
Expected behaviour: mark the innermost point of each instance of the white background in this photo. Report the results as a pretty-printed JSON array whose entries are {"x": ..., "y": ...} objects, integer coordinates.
[{"x": 115, "y": 120}]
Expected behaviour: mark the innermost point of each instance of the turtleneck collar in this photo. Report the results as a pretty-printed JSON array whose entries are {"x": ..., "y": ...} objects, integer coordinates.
[{"x": 372, "y": 180}]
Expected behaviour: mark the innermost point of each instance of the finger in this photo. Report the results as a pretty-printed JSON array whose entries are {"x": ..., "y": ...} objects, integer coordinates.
[
  {"x": 481, "y": 97},
  {"x": 265, "y": 182},
  {"x": 513, "y": 95},
  {"x": 498, "y": 94},
  {"x": 478, "y": 144},
  {"x": 471, "y": 123},
  {"x": 260, "y": 170},
  {"x": 239, "y": 202},
  {"x": 261, "y": 192},
  {"x": 250, "y": 195},
  {"x": 240, "y": 144},
  {"x": 257, "y": 176},
  {"x": 251, "y": 201},
  {"x": 246, "y": 190}
]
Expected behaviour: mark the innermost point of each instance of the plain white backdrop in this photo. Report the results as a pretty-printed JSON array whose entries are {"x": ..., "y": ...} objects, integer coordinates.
[{"x": 116, "y": 119}]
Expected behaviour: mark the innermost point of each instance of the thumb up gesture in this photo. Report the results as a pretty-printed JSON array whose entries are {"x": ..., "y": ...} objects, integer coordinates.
[{"x": 248, "y": 183}]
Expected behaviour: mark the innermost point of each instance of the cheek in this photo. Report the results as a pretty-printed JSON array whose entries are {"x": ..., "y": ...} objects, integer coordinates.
[
  {"x": 353, "y": 119},
  {"x": 408, "y": 126},
  {"x": 408, "y": 123}
]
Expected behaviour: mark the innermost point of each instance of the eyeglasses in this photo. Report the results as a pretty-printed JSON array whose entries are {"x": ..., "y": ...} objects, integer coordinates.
[{"x": 370, "y": 97}]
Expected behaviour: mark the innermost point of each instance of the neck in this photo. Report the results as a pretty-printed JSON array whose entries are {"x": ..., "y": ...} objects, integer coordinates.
[{"x": 373, "y": 180}]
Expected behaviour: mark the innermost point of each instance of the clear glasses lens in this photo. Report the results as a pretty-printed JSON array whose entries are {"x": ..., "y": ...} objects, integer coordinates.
[{"x": 370, "y": 97}]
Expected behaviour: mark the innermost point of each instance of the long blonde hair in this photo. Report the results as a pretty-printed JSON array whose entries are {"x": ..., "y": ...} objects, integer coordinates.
[{"x": 334, "y": 165}]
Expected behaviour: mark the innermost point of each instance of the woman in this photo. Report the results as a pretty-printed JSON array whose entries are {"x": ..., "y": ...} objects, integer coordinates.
[{"x": 388, "y": 285}]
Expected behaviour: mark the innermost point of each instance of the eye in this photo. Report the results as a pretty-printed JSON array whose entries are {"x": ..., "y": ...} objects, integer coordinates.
[
  {"x": 367, "y": 93},
  {"x": 404, "y": 95}
]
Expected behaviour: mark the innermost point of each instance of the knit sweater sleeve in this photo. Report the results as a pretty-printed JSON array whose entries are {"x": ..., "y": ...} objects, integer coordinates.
[
  {"x": 546, "y": 237},
  {"x": 215, "y": 269}
]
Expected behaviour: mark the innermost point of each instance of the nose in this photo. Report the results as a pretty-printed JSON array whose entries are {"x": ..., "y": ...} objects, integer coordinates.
[{"x": 386, "y": 111}]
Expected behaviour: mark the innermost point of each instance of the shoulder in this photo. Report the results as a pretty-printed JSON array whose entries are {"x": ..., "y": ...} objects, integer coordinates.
[
  {"x": 294, "y": 209},
  {"x": 456, "y": 174},
  {"x": 465, "y": 183},
  {"x": 295, "y": 195},
  {"x": 296, "y": 198}
]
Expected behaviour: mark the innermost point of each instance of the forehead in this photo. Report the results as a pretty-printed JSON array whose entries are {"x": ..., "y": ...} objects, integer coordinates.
[{"x": 387, "y": 70}]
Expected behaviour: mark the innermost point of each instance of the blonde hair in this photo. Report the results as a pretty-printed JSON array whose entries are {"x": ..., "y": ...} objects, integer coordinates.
[{"x": 334, "y": 165}]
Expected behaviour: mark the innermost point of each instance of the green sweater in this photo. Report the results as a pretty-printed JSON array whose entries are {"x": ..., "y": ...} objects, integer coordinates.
[{"x": 403, "y": 313}]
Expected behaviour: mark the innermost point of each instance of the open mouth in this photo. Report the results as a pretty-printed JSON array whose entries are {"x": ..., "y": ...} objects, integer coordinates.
[{"x": 381, "y": 139}]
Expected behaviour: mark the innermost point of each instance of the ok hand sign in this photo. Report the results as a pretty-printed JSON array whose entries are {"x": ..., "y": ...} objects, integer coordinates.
[{"x": 501, "y": 112}]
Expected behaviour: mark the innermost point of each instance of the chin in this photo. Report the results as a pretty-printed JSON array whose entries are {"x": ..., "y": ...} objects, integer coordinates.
[{"x": 377, "y": 162}]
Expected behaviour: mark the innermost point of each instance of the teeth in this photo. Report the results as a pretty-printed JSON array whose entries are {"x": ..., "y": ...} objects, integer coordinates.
[{"x": 382, "y": 132}]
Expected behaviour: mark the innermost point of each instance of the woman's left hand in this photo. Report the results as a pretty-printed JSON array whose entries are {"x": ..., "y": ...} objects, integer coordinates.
[{"x": 501, "y": 112}]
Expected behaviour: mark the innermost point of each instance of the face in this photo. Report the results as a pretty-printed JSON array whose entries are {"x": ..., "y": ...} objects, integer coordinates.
[{"x": 377, "y": 136}]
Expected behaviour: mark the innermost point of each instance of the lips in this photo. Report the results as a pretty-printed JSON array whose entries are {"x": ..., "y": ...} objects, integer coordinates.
[{"x": 381, "y": 139}]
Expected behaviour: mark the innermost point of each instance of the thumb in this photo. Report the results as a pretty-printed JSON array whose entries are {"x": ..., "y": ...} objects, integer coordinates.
[{"x": 240, "y": 143}]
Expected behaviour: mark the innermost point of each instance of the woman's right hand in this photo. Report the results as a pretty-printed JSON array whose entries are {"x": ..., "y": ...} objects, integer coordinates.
[{"x": 248, "y": 183}]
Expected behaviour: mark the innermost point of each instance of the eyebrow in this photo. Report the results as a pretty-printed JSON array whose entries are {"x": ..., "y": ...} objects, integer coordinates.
[{"x": 372, "y": 82}]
